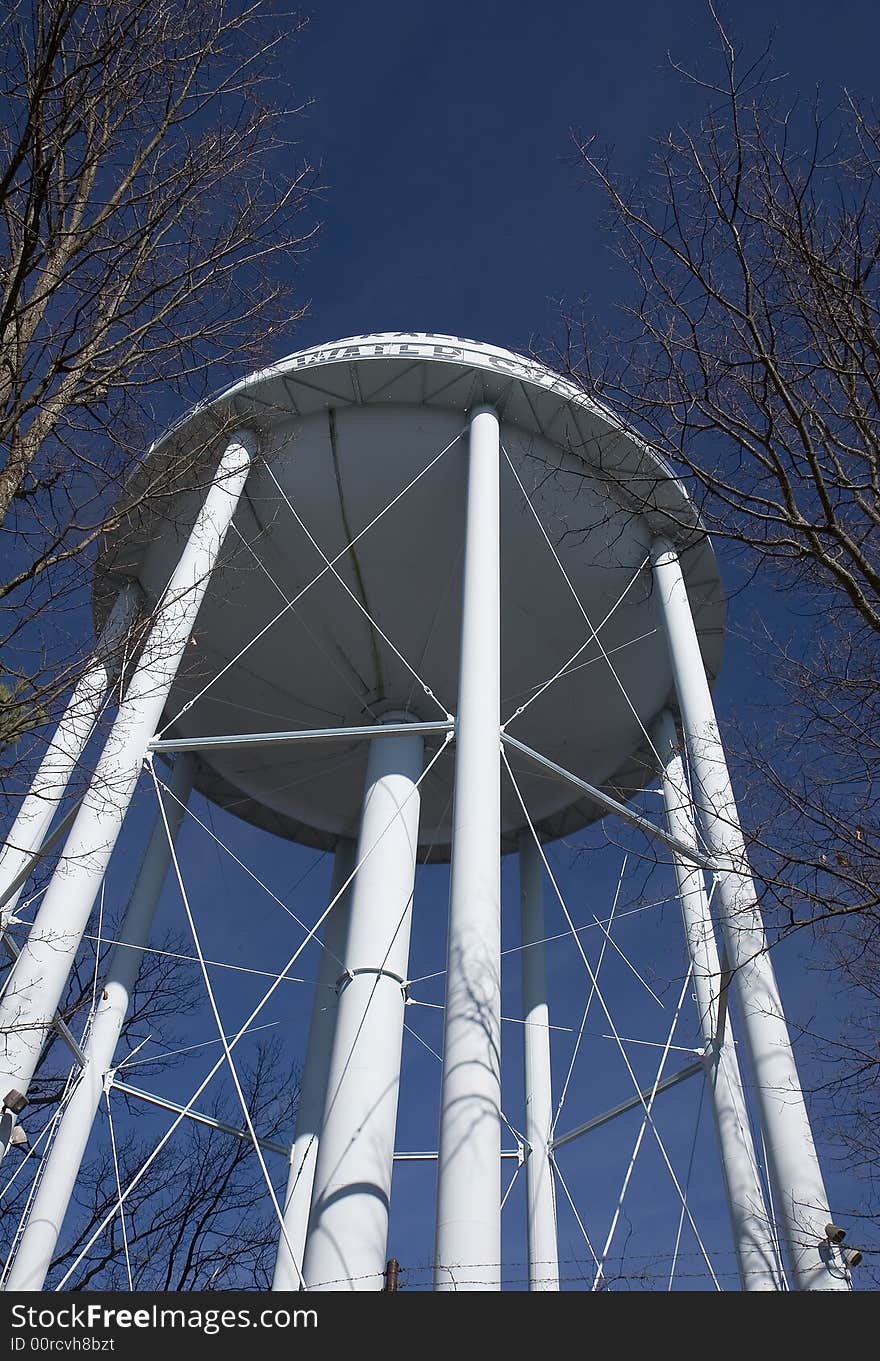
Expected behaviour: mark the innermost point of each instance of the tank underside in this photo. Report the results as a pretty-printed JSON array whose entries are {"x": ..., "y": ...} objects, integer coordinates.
[{"x": 339, "y": 646}]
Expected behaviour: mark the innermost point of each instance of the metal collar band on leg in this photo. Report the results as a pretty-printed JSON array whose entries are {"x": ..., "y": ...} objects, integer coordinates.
[{"x": 344, "y": 979}]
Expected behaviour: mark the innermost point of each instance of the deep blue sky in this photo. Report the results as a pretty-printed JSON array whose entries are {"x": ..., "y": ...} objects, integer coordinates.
[
  {"x": 453, "y": 200},
  {"x": 453, "y": 204}
]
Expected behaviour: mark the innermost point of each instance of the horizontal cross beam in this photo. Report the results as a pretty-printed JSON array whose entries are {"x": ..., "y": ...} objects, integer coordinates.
[
  {"x": 275, "y": 739},
  {"x": 60, "y": 1027},
  {"x": 42, "y": 851},
  {"x": 198, "y": 1117},
  {"x": 612, "y": 805},
  {"x": 212, "y": 1122},
  {"x": 639, "y": 1100}
]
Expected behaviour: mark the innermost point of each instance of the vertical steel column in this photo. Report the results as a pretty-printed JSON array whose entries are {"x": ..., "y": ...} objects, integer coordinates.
[
  {"x": 468, "y": 1241},
  {"x": 801, "y": 1203},
  {"x": 313, "y": 1090},
  {"x": 540, "y": 1200},
  {"x": 759, "y": 1268},
  {"x": 45, "y": 1218},
  {"x": 36, "y": 983},
  {"x": 348, "y": 1227},
  {"x": 28, "y": 831}
]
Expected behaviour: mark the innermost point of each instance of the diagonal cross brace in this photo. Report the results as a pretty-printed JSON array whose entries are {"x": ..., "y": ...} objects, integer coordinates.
[{"x": 612, "y": 805}]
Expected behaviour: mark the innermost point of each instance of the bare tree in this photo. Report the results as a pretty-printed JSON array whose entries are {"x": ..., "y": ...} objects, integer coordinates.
[
  {"x": 153, "y": 212},
  {"x": 748, "y": 356},
  {"x": 752, "y": 358},
  {"x": 200, "y": 1218},
  {"x": 162, "y": 999},
  {"x": 151, "y": 205}
]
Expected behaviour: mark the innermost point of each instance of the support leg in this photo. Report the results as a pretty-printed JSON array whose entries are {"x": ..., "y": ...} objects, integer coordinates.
[
  {"x": 801, "y": 1202},
  {"x": 310, "y": 1108},
  {"x": 540, "y": 1201},
  {"x": 468, "y": 1241},
  {"x": 749, "y": 1218},
  {"x": 36, "y": 984},
  {"x": 46, "y": 1215},
  {"x": 348, "y": 1228},
  {"x": 27, "y": 833}
]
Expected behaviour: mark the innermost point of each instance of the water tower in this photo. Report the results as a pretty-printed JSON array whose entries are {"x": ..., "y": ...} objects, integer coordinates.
[{"x": 415, "y": 600}]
